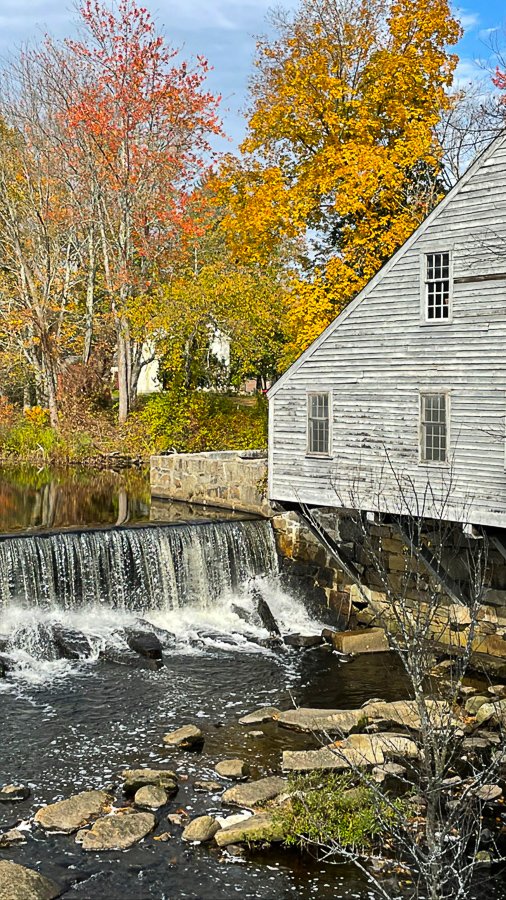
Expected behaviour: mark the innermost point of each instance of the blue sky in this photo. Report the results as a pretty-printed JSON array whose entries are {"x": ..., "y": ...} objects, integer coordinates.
[{"x": 225, "y": 30}]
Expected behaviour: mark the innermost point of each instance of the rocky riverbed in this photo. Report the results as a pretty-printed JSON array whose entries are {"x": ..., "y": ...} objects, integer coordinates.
[{"x": 207, "y": 792}]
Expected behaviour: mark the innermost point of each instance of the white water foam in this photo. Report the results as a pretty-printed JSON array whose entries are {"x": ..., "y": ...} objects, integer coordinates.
[{"x": 194, "y": 630}]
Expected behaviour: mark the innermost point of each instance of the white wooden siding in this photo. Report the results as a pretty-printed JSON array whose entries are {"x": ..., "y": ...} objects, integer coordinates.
[{"x": 377, "y": 357}]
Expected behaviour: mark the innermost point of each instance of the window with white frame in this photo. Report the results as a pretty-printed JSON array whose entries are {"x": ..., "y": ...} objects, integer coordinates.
[
  {"x": 434, "y": 427},
  {"x": 318, "y": 424},
  {"x": 437, "y": 286}
]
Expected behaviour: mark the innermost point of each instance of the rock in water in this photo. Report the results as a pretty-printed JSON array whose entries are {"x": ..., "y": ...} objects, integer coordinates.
[
  {"x": 20, "y": 883},
  {"x": 303, "y": 641},
  {"x": 69, "y": 815},
  {"x": 138, "y": 778},
  {"x": 118, "y": 832},
  {"x": 254, "y": 793},
  {"x": 10, "y": 793},
  {"x": 189, "y": 737},
  {"x": 12, "y": 837},
  {"x": 212, "y": 786},
  {"x": 261, "y": 827},
  {"x": 150, "y": 797},
  {"x": 201, "y": 829},
  {"x": 72, "y": 644},
  {"x": 130, "y": 658},
  {"x": 232, "y": 768},
  {"x": 264, "y": 611},
  {"x": 264, "y": 714},
  {"x": 145, "y": 643}
]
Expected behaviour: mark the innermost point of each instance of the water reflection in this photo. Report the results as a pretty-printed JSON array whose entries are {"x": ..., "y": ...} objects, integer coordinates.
[
  {"x": 34, "y": 499},
  {"x": 47, "y": 499}
]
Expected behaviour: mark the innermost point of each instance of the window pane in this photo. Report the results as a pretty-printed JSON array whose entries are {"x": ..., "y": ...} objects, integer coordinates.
[
  {"x": 438, "y": 285},
  {"x": 434, "y": 428},
  {"x": 318, "y": 424}
]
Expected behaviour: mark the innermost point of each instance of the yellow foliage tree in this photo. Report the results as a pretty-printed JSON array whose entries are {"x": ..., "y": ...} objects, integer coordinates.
[{"x": 341, "y": 145}]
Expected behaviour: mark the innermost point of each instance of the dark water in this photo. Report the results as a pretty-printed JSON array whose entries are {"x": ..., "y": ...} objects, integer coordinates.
[
  {"x": 44, "y": 499},
  {"x": 81, "y": 728}
]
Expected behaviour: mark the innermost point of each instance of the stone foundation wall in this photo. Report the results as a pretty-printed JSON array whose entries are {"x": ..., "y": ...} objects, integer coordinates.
[
  {"x": 232, "y": 479},
  {"x": 313, "y": 571}
]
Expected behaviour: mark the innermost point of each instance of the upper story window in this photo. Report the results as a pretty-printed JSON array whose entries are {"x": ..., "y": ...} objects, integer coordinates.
[
  {"x": 438, "y": 284},
  {"x": 318, "y": 424},
  {"x": 434, "y": 428}
]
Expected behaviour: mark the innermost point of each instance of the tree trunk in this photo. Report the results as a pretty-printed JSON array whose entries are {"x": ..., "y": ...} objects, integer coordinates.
[{"x": 124, "y": 370}]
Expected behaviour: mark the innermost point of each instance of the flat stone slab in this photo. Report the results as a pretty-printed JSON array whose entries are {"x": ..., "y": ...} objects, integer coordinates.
[
  {"x": 254, "y": 793},
  {"x": 264, "y": 714},
  {"x": 201, "y": 829},
  {"x": 211, "y": 786},
  {"x": 19, "y": 883},
  {"x": 357, "y": 751},
  {"x": 232, "y": 768},
  {"x": 68, "y": 815},
  {"x": 342, "y": 721},
  {"x": 189, "y": 737},
  {"x": 362, "y": 640},
  {"x": 118, "y": 832},
  {"x": 139, "y": 778},
  {"x": 260, "y": 827}
]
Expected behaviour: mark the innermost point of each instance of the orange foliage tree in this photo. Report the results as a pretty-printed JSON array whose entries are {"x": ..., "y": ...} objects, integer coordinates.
[
  {"x": 134, "y": 138},
  {"x": 341, "y": 145}
]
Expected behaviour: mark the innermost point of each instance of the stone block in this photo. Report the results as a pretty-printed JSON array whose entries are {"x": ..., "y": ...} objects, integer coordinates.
[{"x": 364, "y": 640}]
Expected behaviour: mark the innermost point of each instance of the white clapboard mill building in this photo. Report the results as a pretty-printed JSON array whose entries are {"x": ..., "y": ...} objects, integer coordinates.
[{"x": 402, "y": 400}]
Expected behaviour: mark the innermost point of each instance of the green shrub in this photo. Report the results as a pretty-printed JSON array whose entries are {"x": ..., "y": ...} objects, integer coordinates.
[
  {"x": 327, "y": 809},
  {"x": 192, "y": 422},
  {"x": 27, "y": 439}
]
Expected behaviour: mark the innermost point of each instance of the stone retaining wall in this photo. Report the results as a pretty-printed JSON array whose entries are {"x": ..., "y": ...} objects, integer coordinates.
[
  {"x": 313, "y": 571},
  {"x": 231, "y": 479}
]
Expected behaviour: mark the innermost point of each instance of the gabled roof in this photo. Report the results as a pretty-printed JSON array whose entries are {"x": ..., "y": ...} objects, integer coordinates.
[{"x": 376, "y": 279}]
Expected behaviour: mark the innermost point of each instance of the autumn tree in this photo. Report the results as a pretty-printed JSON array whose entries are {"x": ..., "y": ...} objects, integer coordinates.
[
  {"x": 135, "y": 124},
  {"x": 39, "y": 264},
  {"x": 341, "y": 146},
  {"x": 216, "y": 306}
]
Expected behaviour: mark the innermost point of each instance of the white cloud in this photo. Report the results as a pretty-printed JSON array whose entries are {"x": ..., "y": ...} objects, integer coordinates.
[{"x": 468, "y": 20}]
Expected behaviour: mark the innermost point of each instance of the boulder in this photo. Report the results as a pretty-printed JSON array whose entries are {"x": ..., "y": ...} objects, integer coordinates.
[
  {"x": 20, "y": 883},
  {"x": 211, "y": 786},
  {"x": 150, "y": 797},
  {"x": 232, "y": 768},
  {"x": 201, "y": 829},
  {"x": 266, "y": 617},
  {"x": 68, "y": 815},
  {"x": 138, "y": 778},
  {"x": 303, "y": 641},
  {"x": 473, "y": 704},
  {"x": 12, "y": 793},
  {"x": 260, "y": 827},
  {"x": 118, "y": 832},
  {"x": 259, "y": 716},
  {"x": 189, "y": 737},
  {"x": 145, "y": 643},
  {"x": 72, "y": 644},
  {"x": 8, "y": 838},
  {"x": 254, "y": 793},
  {"x": 361, "y": 640}
]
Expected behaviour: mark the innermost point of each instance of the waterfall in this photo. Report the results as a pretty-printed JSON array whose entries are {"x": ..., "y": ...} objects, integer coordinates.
[{"x": 134, "y": 569}]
